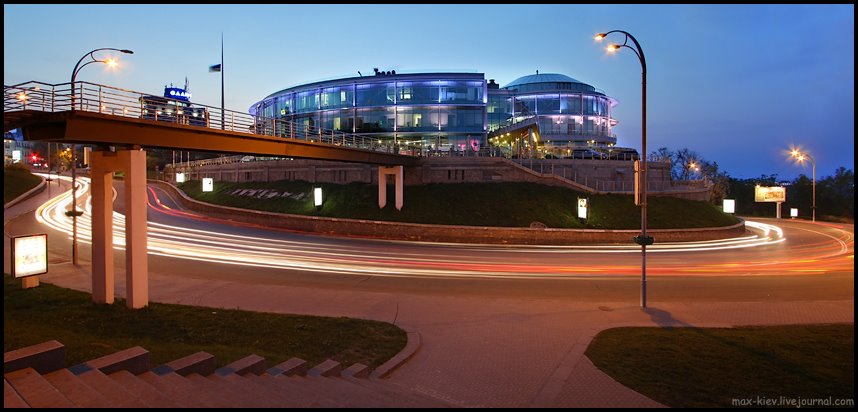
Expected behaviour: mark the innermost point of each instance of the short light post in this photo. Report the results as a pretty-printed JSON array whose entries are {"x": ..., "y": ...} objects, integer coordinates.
[
  {"x": 77, "y": 67},
  {"x": 643, "y": 239},
  {"x": 801, "y": 157}
]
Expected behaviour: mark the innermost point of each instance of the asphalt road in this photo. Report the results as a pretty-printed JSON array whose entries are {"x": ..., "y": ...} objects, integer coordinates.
[
  {"x": 499, "y": 326},
  {"x": 777, "y": 259}
]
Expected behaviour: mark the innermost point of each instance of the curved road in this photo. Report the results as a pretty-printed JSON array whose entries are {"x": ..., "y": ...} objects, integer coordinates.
[
  {"x": 771, "y": 247},
  {"x": 499, "y": 326}
]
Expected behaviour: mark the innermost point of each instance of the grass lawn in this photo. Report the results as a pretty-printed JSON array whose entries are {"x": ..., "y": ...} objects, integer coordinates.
[
  {"x": 470, "y": 204},
  {"x": 171, "y": 331},
  {"x": 17, "y": 180},
  {"x": 700, "y": 367}
]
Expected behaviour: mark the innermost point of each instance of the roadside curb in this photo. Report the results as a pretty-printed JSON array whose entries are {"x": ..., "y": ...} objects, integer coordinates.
[{"x": 411, "y": 348}]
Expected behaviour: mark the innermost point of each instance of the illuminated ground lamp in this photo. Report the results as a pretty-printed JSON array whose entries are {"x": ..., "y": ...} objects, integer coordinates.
[
  {"x": 729, "y": 206},
  {"x": 583, "y": 207},
  {"x": 208, "y": 184},
  {"x": 317, "y": 197}
]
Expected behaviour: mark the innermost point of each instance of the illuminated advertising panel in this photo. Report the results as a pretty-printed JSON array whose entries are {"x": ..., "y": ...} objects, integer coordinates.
[
  {"x": 729, "y": 205},
  {"x": 770, "y": 194},
  {"x": 30, "y": 254}
]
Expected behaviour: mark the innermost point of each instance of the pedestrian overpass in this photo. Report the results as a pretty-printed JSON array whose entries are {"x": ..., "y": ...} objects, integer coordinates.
[{"x": 121, "y": 125}]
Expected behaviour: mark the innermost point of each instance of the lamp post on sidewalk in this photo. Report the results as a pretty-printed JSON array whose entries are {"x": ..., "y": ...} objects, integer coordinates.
[
  {"x": 77, "y": 67},
  {"x": 643, "y": 239},
  {"x": 801, "y": 157}
]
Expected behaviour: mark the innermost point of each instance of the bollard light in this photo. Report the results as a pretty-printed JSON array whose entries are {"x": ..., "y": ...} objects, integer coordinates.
[
  {"x": 583, "y": 206},
  {"x": 729, "y": 206},
  {"x": 317, "y": 197}
]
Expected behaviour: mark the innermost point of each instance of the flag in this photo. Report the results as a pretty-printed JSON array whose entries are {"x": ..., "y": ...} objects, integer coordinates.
[{"x": 215, "y": 68}]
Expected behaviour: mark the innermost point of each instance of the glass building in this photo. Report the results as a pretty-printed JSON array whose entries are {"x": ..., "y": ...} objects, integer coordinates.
[
  {"x": 449, "y": 111},
  {"x": 434, "y": 111}
]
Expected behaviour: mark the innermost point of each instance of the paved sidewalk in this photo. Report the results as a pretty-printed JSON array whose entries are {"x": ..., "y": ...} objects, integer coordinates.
[{"x": 479, "y": 351}]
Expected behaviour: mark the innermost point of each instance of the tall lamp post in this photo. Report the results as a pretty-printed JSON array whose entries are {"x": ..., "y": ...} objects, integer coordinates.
[
  {"x": 643, "y": 239},
  {"x": 801, "y": 157},
  {"x": 77, "y": 67}
]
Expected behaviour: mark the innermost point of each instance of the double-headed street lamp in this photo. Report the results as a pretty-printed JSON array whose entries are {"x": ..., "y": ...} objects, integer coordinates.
[
  {"x": 77, "y": 67},
  {"x": 801, "y": 157},
  {"x": 643, "y": 239}
]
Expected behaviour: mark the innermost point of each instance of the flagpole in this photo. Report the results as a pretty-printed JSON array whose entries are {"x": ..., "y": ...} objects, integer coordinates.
[{"x": 222, "y": 111}]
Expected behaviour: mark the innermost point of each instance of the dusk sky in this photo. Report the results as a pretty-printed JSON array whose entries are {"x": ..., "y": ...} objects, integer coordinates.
[{"x": 738, "y": 84}]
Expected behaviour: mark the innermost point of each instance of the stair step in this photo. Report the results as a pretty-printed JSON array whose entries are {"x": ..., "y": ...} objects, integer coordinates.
[
  {"x": 254, "y": 364},
  {"x": 293, "y": 366},
  {"x": 11, "y": 399},
  {"x": 43, "y": 357},
  {"x": 248, "y": 397},
  {"x": 143, "y": 389},
  {"x": 177, "y": 387},
  {"x": 358, "y": 370},
  {"x": 35, "y": 390},
  {"x": 261, "y": 394},
  {"x": 134, "y": 360},
  {"x": 202, "y": 363},
  {"x": 297, "y": 396},
  {"x": 280, "y": 397},
  {"x": 76, "y": 390},
  {"x": 327, "y": 368},
  {"x": 119, "y": 396},
  {"x": 228, "y": 397}
]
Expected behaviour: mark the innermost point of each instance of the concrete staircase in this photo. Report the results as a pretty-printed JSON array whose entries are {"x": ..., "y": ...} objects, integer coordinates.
[{"x": 36, "y": 377}]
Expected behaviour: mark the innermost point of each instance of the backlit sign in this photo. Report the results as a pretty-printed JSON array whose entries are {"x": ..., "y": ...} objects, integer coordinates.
[
  {"x": 770, "y": 194},
  {"x": 729, "y": 205},
  {"x": 177, "y": 93},
  {"x": 583, "y": 205},
  {"x": 208, "y": 184},
  {"x": 30, "y": 254}
]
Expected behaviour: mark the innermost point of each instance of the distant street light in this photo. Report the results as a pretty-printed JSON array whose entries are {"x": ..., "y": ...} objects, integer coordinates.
[
  {"x": 643, "y": 239},
  {"x": 801, "y": 157},
  {"x": 77, "y": 67}
]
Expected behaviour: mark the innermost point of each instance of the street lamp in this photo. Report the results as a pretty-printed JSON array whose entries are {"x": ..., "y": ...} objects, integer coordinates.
[
  {"x": 643, "y": 239},
  {"x": 801, "y": 157},
  {"x": 77, "y": 67}
]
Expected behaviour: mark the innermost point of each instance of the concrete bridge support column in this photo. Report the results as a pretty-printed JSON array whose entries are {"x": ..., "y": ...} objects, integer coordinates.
[
  {"x": 101, "y": 189},
  {"x": 133, "y": 163},
  {"x": 397, "y": 172}
]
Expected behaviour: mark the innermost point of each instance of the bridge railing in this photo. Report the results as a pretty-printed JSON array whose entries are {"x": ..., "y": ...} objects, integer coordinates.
[{"x": 114, "y": 101}]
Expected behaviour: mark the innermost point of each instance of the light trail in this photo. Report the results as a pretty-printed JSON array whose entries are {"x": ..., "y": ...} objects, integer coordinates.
[{"x": 371, "y": 257}]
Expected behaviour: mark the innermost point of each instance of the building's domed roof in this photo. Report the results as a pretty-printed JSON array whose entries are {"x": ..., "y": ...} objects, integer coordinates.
[{"x": 543, "y": 78}]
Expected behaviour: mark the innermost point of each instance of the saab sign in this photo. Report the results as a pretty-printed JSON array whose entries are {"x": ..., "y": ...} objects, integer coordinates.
[
  {"x": 177, "y": 93},
  {"x": 770, "y": 194}
]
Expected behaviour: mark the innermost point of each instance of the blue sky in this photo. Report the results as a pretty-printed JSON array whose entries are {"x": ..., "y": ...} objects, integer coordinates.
[{"x": 738, "y": 84}]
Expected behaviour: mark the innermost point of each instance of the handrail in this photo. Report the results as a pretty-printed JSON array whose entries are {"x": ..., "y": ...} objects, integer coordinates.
[{"x": 115, "y": 101}]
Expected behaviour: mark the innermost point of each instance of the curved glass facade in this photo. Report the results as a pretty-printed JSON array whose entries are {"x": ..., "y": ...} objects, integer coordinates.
[
  {"x": 570, "y": 114},
  {"x": 448, "y": 111},
  {"x": 435, "y": 111}
]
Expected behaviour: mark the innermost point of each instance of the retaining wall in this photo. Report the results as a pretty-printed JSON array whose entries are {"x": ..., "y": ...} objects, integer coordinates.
[{"x": 445, "y": 233}]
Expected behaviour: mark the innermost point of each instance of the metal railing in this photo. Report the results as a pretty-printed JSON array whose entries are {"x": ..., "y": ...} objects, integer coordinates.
[{"x": 91, "y": 97}]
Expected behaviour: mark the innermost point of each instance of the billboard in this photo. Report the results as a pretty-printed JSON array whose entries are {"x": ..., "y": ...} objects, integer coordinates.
[{"x": 770, "y": 194}]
